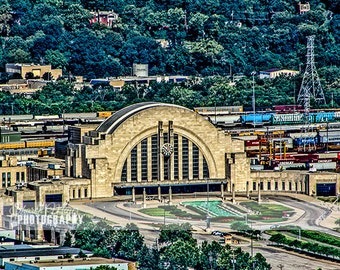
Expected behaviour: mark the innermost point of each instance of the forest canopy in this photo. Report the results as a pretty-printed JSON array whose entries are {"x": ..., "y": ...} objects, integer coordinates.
[{"x": 204, "y": 38}]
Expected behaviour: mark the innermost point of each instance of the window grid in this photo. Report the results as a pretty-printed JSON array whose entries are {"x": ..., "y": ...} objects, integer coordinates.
[
  {"x": 154, "y": 157},
  {"x": 205, "y": 168},
  {"x": 195, "y": 161},
  {"x": 134, "y": 164},
  {"x": 185, "y": 158},
  {"x": 144, "y": 159},
  {"x": 124, "y": 172},
  {"x": 175, "y": 156}
]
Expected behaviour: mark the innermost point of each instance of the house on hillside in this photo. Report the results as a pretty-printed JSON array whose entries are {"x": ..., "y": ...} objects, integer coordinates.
[
  {"x": 107, "y": 18},
  {"x": 275, "y": 72}
]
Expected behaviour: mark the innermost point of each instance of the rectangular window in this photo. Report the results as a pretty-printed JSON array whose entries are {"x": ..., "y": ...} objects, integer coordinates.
[
  {"x": 195, "y": 161},
  {"x": 261, "y": 185},
  {"x": 276, "y": 185},
  {"x": 283, "y": 186},
  {"x": 144, "y": 159},
  {"x": 85, "y": 192},
  {"x": 176, "y": 156},
  {"x": 185, "y": 158},
  {"x": 254, "y": 185},
  {"x": 290, "y": 185},
  {"x": 205, "y": 169},
  {"x": 23, "y": 177},
  {"x": 17, "y": 176},
  {"x": 3, "y": 179},
  {"x": 268, "y": 186},
  {"x": 124, "y": 172},
  {"x": 134, "y": 164},
  {"x": 154, "y": 157},
  {"x": 8, "y": 179},
  {"x": 79, "y": 193}
]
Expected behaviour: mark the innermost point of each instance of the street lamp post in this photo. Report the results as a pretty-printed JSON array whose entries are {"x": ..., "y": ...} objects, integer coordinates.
[
  {"x": 164, "y": 209},
  {"x": 253, "y": 99}
]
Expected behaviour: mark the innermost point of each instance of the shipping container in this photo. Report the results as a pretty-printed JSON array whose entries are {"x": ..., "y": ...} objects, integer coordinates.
[
  {"x": 289, "y": 118},
  {"x": 258, "y": 118},
  {"x": 104, "y": 114},
  {"x": 323, "y": 166},
  {"x": 321, "y": 117},
  {"x": 79, "y": 115},
  {"x": 305, "y": 141},
  {"x": 16, "y": 117},
  {"x": 287, "y": 108},
  {"x": 46, "y": 117}
]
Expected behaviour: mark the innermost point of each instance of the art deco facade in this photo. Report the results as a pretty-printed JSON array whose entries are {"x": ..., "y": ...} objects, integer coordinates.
[{"x": 155, "y": 144}]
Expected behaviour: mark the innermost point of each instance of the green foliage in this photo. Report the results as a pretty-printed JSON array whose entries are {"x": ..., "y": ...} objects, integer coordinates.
[
  {"x": 68, "y": 239},
  {"x": 319, "y": 236},
  {"x": 172, "y": 233},
  {"x": 314, "y": 247},
  {"x": 240, "y": 226},
  {"x": 179, "y": 255},
  {"x": 177, "y": 248},
  {"x": 104, "y": 267},
  {"x": 337, "y": 222},
  {"x": 208, "y": 40}
]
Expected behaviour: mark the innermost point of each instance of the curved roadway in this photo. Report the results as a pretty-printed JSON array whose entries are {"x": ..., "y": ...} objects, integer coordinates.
[{"x": 310, "y": 220}]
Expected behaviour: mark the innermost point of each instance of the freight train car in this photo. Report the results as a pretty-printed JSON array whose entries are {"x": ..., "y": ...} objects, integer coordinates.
[
  {"x": 27, "y": 144},
  {"x": 40, "y": 143},
  {"x": 78, "y": 115},
  {"x": 258, "y": 118},
  {"x": 16, "y": 117},
  {"x": 12, "y": 145}
]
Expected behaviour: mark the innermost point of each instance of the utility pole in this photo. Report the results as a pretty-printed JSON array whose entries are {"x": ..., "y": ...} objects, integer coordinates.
[
  {"x": 253, "y": 99},
  {"x": 311, "y": 86}
]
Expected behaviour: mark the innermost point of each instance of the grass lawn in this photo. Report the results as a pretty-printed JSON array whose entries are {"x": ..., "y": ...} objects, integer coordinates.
[
  {"x": 265, "y": 207},
  {"x": 157, "y": 212},
  {"x": 268, "y": 212}
]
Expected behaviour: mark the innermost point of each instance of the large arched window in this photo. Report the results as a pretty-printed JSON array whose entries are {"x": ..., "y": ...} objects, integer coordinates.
[{"x": 146, "y": 161}]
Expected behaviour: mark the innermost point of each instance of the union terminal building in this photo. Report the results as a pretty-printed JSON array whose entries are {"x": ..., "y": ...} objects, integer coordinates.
[
  {"x": 152, "y": 149},
  {"x": 157, "y": 148}
]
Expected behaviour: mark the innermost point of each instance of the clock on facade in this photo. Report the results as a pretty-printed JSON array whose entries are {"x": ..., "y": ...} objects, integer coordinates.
[{"x": 167, "y": 149}]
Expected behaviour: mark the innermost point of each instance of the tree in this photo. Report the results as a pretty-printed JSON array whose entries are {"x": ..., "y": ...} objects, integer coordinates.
[
  {"x": 179, "y": 255},
  {"x": 337, "y": 222},
  {"x": 47, "y": 76},
  {"x": 56, "y": 58},
  {"x": 129, "y": 242},
  {"x": 148, "y": 259},
  {"x": 278, "y": 238},
  {"x": 208, "y": 255},
  {"x": 240, "y": 226},
  {"x": 176, "y": 232},
  {"x": 29, "y": 75},
  {"x": 104, "y": 267},
  {"x": 68, "y": 239},
  {"x": 5, "y": 17}
]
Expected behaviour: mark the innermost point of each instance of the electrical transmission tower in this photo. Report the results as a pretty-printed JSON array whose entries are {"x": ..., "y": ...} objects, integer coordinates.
[{"x": 311, "y": 86}]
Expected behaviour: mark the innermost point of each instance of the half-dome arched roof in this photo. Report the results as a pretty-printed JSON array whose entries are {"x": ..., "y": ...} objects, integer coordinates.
[{"x": 111, "y": 123}]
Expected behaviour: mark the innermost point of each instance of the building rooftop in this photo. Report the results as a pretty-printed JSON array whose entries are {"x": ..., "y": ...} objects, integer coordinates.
[
  {"x": 71, "y": 262},
  {"x": 18, "y": 251},
  {"x": 111, "y": 123}
]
